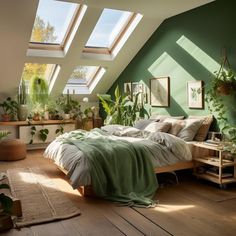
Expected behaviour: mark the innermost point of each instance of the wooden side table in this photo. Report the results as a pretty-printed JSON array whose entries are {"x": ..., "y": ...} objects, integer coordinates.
[{"x": 216, "y": 160}]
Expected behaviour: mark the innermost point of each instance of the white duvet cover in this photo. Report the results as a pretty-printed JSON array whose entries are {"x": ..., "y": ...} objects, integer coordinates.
[{"x": 166, "y": 150}]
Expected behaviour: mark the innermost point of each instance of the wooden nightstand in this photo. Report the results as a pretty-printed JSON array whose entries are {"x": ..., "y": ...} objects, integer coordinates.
[{"x": 212, "y": 167}]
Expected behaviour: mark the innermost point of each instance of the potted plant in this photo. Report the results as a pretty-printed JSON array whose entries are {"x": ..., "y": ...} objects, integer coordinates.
[
  {"x": 224, "y": 80},
  {"x": 9, "y": 107},
  {"x": 6, "y": 204},
  {"x": 121, "y": 110},
  {"x": 223, "y": 84},
  {"x": 22, "y": 101}
]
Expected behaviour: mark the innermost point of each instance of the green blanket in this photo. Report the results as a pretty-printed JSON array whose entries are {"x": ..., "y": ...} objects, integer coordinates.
[{"x": 121, "y": 171}]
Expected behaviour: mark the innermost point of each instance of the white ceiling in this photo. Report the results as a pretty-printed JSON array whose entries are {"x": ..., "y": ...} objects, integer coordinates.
[{"x": 16, "y": 23}]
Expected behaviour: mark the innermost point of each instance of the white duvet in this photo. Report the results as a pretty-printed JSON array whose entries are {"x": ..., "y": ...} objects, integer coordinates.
[{"x": 166, "y": 150}]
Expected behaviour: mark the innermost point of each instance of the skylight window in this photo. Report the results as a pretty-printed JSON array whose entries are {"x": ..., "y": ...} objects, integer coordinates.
[
  {"x": 45, "y": 71},
  {"x": 53, "y": 22},
  {"x": 84, "y": 79},
  {"x": 108, "y": 28},
  {"x": 110, "y": 33},
  {"x": 83, "y": 75}
]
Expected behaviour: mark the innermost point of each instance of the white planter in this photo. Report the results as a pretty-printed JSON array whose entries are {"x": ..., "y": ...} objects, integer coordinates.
[
  {"x": 66, "y": 116},
  {"x": 22, "y": 112}
]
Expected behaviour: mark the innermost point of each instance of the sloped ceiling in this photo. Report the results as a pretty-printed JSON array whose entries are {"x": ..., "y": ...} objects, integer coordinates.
[{"x": 16, "y": 23}]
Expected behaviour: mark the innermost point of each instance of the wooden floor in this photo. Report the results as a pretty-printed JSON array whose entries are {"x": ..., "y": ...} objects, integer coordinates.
[{"x": 192, "y": 207}]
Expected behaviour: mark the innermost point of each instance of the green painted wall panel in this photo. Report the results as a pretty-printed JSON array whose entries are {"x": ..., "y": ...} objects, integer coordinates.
[{"x": 186, "y": 47}]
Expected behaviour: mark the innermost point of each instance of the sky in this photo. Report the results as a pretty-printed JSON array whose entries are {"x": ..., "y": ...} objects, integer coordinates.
[{"x": 59, "y": 15}]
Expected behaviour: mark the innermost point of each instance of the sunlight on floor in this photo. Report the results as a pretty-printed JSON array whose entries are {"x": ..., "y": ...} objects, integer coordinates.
[
  {"x": 171, "y": 208},
  {"x": 55, "y": 183}
]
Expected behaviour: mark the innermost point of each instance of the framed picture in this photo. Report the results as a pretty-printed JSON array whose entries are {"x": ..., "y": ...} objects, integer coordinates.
[
  {"x": 137, "y": 88},
  {"x": 195, "y": 94},
  {"x": 128, "y": 88},
  {"x": 160, "y": 92}
]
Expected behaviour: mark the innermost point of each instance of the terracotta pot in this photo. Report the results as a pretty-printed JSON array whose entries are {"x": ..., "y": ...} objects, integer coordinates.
[
  {"x": 36, "y": 117},
  {"x": 6, "y": 117},
  {"x": 224, "y": 89}
]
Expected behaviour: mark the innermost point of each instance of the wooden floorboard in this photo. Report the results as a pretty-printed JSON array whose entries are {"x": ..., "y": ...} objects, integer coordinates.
[{"x": 192, "y": 207}]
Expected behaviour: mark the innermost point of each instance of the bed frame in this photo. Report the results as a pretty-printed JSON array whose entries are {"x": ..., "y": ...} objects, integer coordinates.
[{"x": 87, "y": 191}]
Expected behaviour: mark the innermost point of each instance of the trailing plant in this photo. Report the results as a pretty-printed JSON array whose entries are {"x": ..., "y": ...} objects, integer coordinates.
[
  {"x": 60, "y": 130},
  {"x": 121, "y": 110},
  {"x": 39, "y": 92},
  {"x": 32, "y": 133},
  {"x": 4, "y": 133},
  {"x": 215, "y": 95},
  {"x": 43, "y": 134}
]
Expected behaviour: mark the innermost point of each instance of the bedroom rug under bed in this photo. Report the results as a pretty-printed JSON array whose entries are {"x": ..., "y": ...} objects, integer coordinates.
[{"x": 41, "y": 200}]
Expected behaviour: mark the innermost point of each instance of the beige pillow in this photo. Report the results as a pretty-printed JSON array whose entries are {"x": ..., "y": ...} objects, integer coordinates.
[
  {"x": 176, "y": 127},
  {"x": 158, "y": 127},
  {"x": 162, "y": 118},
  {"x": 190, "y": 129},
  {"x": 203, "y": 130}
]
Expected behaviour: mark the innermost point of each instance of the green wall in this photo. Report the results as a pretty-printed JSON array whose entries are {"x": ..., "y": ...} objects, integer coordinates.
[{"x": 185, "y": 47}]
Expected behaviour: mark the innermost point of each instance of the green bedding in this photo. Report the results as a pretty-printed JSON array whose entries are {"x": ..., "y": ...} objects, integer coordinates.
[{"x": 121, "y": 171}]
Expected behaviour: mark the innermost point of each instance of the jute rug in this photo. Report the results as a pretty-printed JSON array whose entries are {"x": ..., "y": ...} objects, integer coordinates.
[{"x": 41, "y": 200}]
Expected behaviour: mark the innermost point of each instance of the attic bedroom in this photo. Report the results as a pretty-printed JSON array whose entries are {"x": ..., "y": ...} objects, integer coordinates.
[{"x": 117, "y": 117}]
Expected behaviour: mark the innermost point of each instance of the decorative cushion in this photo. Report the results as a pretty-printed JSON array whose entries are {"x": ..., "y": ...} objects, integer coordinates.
[
  {"x": 158, "y": 127},
  {"x": 203, "y": 130},
  {"x": 176, "y": 127},
  {"x": 190, "y": 129},
  {"x": 142, "y": 124}
]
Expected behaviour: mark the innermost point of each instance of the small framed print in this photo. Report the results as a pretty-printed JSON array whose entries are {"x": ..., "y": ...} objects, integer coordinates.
[
  {"x": 137, "y": 87},
  {"x": 195, "y": 94},
  {"x": 160, "y": 92},
  {"x": 127, "y": 88}
]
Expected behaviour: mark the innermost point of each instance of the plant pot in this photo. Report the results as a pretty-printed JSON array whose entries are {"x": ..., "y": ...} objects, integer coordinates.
[
  {"x": 37, "y": 117},
  {"x": 66, "y": 116},
  {"x": 22, "y": 112},
  {"x": 6, "y": 117},
  {"x": 224, "y": 89},
  {"x": 5, "y": 223}
]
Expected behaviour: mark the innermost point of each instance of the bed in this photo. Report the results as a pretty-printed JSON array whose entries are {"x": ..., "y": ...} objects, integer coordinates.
[{"x": 166, "y": 152}]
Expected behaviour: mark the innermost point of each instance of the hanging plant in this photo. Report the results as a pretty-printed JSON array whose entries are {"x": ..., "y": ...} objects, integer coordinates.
[
  {"x": 39, "y": 92},
  {"x": 222, "y": 84}
]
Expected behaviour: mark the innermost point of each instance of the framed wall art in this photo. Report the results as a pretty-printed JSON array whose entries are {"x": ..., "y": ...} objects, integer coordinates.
[
  {"x": 127, "y": 88},
  {"x": 137, "y": 87},
  {"x": 195, "y": 94},
  {"x": 160, "y": 92}
]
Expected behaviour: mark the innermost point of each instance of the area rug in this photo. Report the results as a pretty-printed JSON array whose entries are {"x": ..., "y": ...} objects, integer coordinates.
[{"x": 41, "y": 200}]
